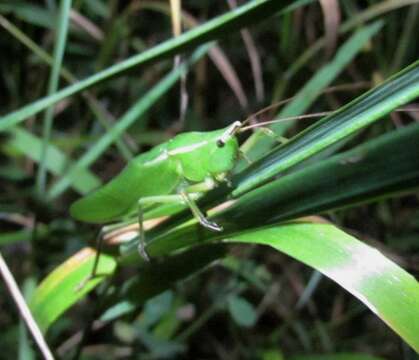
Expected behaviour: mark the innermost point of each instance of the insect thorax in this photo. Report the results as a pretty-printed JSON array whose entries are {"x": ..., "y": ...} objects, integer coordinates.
[{"x": 200, "y": 157}]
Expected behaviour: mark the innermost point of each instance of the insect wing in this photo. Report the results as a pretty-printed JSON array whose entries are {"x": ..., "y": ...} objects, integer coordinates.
[{"x": 147, "y": 175}]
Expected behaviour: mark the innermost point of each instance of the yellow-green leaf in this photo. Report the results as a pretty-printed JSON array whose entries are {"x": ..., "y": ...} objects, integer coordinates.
[{"x": 61, "y": 288}]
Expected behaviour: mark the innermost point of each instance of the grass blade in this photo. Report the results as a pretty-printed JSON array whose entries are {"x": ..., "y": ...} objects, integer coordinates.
[
  {"x": 57, "y": 162},
  {"x": 380, "y": 168},
  {"x": 213, "y": 29},
  {"x": 389, "y": 291},
  {"x": 59, "y": 48},
  {"x": 59, "y": 290},
  {"x": 370, "y": 107}
]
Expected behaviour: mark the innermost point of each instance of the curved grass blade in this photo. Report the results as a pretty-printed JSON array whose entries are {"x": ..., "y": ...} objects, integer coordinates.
[
  {"x": 373, "y": 105},
  {"x": 380, "y": 168},
  {"x": 59, "y": 290},
  {"x": 389, "y": 291},
  {"x": 251, "y": 12},
  {"x": 367, "y": 108},
  {"x": 384, "y": 287}
]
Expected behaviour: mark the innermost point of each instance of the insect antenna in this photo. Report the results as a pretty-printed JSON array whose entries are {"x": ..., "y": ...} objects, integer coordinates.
[
  {"x": 266, "y": 109},
  {"x": 288, "y": 118},
  {"x": 313, "y": 115},
  {"x": 330, "y": 89},
  {"x": 239, "y": 127}
]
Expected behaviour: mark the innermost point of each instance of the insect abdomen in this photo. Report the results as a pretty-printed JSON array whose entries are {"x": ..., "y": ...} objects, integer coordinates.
[{"x": 146, "y": 175}]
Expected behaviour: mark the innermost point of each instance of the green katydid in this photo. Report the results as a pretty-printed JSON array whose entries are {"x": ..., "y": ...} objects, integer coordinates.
[{"x": 177, "y": 171}]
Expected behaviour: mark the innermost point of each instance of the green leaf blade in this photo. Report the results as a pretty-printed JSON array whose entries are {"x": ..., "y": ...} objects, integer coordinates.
[
  {"x": 373, "y": 105},
  {"x": 361, "y": 175},
  {"x": 60, "y": 289},
  {"x": 213, "y": 29},
  {"x": 389, "y": 291}
]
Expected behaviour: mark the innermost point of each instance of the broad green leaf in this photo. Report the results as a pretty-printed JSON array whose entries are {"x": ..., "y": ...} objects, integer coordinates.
[
  {"x": 251, "y": 12},
  {"x": 389, "y": 291},
  {"x": 61, "y": 288}
]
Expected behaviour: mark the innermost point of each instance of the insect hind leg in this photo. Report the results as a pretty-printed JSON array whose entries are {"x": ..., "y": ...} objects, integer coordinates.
[
  {"x": 142, "y": 243},
  {"x": 158, "y": 199},
  {"x": 93, "y": 273}
]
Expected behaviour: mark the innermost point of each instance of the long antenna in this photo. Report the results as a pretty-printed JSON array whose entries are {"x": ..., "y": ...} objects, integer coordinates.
[
  {"x": 330, "y": 89},
  {"x": 288, "y": 118},
  {"x": 413, "y": 108}
]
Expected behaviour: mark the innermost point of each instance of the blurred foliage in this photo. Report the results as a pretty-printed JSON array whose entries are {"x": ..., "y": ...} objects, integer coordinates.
[{"x": 211, "y": 300}]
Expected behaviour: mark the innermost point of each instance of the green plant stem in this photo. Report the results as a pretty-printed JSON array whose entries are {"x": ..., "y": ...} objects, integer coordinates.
[{"x": 60, "y": 44}]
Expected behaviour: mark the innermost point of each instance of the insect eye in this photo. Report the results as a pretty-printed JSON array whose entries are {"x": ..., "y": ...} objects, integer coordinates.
[{"x": 220, "y": 143}]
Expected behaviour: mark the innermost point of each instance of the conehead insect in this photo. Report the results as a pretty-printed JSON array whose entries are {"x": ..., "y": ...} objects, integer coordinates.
[{"x": 176, "y": 171}]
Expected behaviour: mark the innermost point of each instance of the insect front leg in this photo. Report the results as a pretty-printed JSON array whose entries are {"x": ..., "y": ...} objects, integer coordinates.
[
  {"x": 243, "y": 155},
  {"x": 186, "y": 193},
  {"x": 184, "y": 196},
  {"x": 197, "y": 213},
  {"x": 150, "y": 200},
  {"x": 268, "y": 132}
]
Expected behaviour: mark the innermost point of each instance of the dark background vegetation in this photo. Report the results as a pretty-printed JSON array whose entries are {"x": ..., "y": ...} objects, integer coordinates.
[{"x": 330, "y": 319}]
